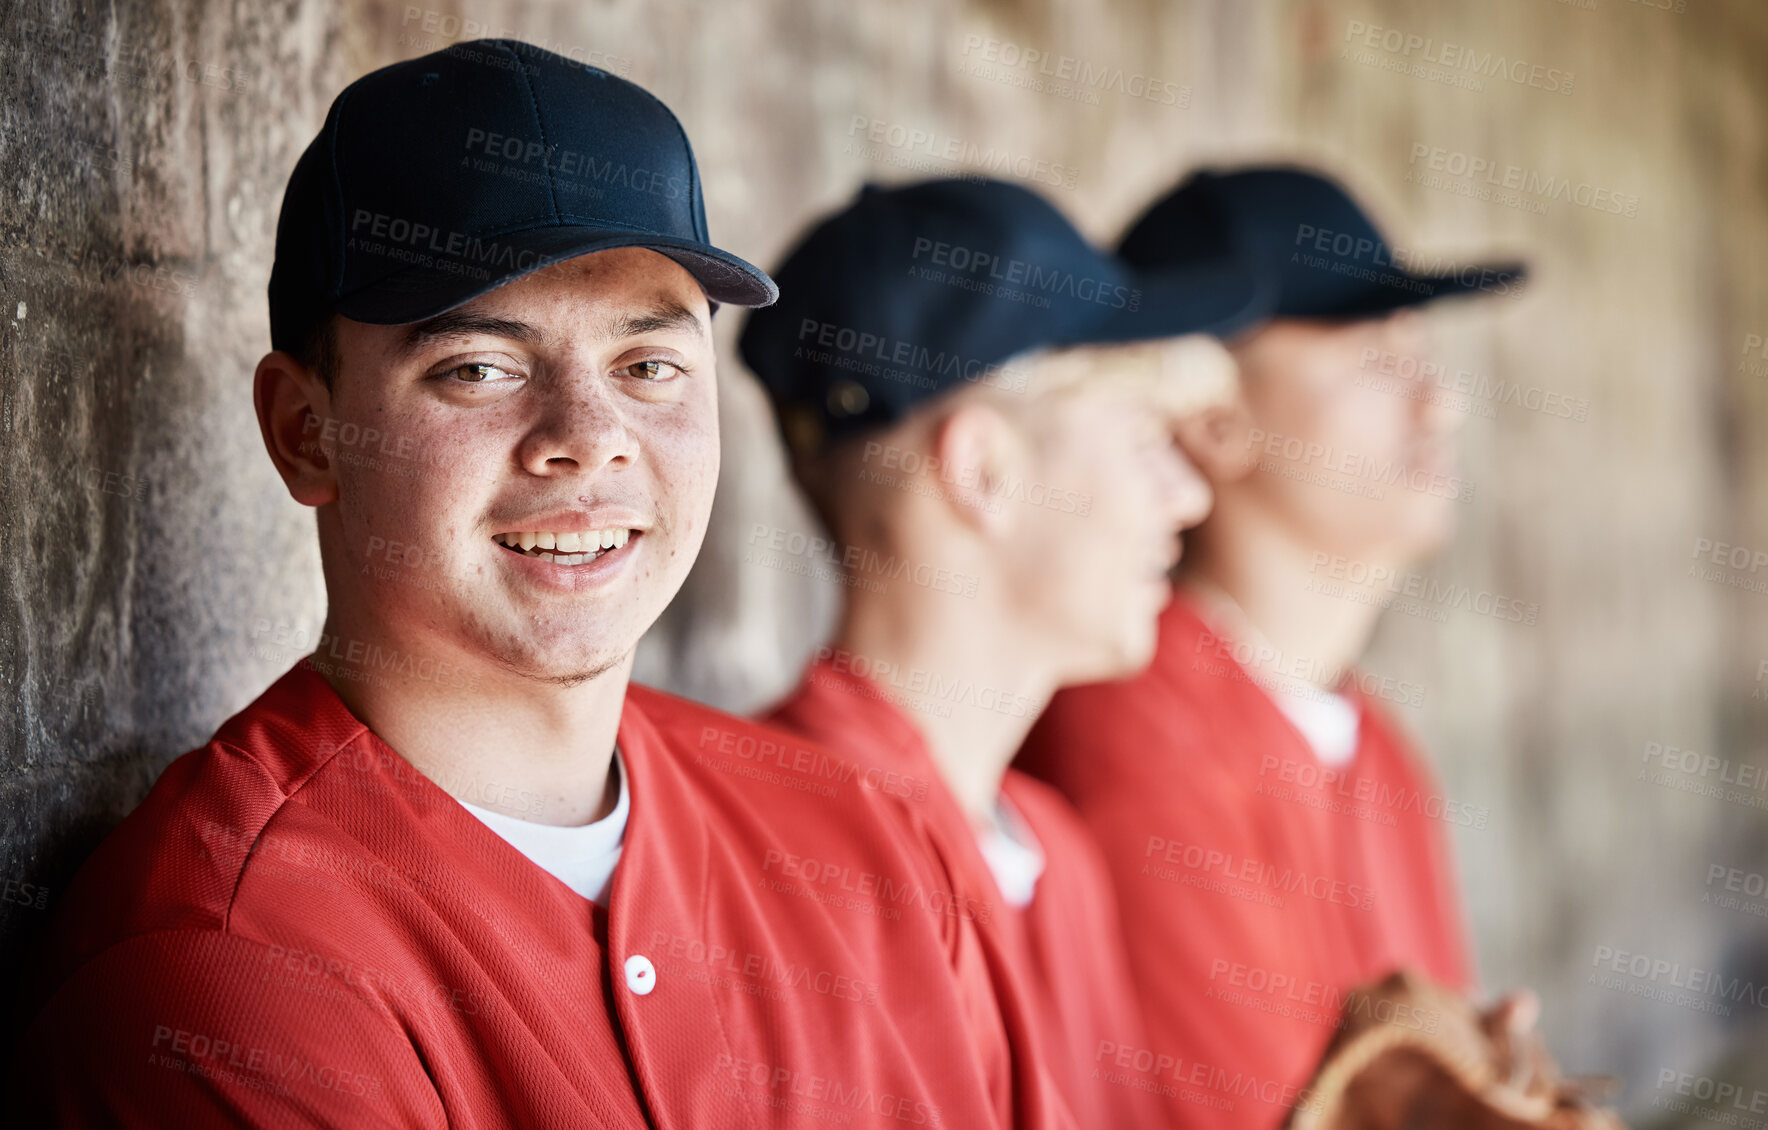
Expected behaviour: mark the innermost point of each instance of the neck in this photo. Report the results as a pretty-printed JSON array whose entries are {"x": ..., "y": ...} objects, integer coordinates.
[
  {"x": 1271, "y": 578},
  {"x": 532, "y": 750},
  {"x": 957, "y": 641}
]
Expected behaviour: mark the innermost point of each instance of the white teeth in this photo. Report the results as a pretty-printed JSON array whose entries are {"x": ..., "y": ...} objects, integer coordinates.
[{"x": 571, "y": 548}]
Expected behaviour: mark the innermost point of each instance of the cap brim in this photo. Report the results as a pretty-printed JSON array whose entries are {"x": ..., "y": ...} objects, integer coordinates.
[
  {"x": 1375, "y": 299},
  {"x": 439, "y": 280},
  {"x": 1217, "y": 299}
]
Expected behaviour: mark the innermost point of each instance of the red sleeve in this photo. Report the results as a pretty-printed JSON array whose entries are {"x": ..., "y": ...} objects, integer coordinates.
[{"x": 196, "y": 1029}]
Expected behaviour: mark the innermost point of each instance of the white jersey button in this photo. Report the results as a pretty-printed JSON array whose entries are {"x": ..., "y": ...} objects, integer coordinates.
[{"x": 641, "y": 975}]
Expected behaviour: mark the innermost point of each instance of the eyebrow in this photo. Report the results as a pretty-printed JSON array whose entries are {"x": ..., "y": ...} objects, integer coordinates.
[
  {"x": 458, "y": 323},
  {"x": 666, "y": 315}
]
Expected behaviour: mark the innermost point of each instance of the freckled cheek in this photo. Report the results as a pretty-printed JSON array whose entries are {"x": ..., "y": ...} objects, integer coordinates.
[{"x": 686, "y": 465}]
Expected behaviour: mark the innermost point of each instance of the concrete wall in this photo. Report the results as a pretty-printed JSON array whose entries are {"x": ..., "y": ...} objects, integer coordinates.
[{"x": 149, "y": 556}]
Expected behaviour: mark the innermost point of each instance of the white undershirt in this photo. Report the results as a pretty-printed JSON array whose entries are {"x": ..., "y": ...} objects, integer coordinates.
[
  {"x": 1013, "y": 854},
  {"x": 581, "y": 857},
  {"x": 1329, "y": 722}
]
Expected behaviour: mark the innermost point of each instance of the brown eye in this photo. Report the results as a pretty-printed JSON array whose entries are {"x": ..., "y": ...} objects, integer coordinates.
[
  {"x": 480, "y": 372},
  {"x": 653, "y": 370}
]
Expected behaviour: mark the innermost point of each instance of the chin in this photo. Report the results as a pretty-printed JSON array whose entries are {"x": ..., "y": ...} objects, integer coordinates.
[
  {"x": 1122, "y": 658},
  {"x": 562, "y": 665}
]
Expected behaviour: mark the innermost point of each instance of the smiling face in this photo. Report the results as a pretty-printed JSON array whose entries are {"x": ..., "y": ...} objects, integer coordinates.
[{"x": 542, "y": 469}]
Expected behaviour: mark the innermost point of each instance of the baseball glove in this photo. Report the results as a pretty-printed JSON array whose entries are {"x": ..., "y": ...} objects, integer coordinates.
[{"x": 1410, "y": 1054}]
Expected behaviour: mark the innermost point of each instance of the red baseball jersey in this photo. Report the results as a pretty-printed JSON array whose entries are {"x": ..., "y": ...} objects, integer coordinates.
[
  {"x": 1062, "y": 974},
  {"x": 1257, "y": 887},
  {"x": 296, "y": 928}
]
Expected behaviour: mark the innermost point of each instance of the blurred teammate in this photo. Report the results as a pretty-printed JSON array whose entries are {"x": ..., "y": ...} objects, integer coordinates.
[
  {"x": 978, "y": 406},
  {"x": 1273, "y": 838}
]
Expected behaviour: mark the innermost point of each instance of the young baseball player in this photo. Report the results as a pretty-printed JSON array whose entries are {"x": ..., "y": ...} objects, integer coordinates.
[
  {"x": 1273, "y": 838},
  {"x": 451, "y": 870},
  {"x": 973, "y": 404}
]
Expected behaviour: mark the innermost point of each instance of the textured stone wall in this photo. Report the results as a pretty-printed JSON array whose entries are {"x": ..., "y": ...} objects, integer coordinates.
[{"x": 150, "y": 560}]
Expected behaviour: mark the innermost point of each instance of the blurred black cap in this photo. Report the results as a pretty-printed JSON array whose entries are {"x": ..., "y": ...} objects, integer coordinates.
[
  {"x": 910, "y": 291},
  {"x": 1322, "y": 255}
]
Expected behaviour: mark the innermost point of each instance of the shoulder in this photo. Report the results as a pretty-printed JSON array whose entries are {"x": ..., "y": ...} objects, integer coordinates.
[{"x": 221, "y": 829}]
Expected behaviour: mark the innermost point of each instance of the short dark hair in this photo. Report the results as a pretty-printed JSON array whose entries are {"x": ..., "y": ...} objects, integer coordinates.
[{"x": 319, "y": 350}]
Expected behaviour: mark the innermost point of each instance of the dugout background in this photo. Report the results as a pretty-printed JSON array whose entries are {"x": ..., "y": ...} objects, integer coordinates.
[{"x": 145, "y": 540}]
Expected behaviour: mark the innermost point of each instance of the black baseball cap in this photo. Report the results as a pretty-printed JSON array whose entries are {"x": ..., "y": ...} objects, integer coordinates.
[
  {"x": 909, "y": 291},
  {"x": 440, "y": 178},
  {"x": 1324, "y": 257}
]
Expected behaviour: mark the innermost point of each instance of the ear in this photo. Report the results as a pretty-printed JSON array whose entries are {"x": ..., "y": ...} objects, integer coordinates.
[
  {"x": 979, "y": 452},
  {"x": 293, "y": 407},
  {"x": 1218, "y": 439}
]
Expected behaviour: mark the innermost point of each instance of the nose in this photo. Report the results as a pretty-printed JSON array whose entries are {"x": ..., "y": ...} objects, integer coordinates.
[
  {"x": 581, "y": 426},
  {"x": 1436, "y": 410},
  {"x": 1187, "y": 492}
]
